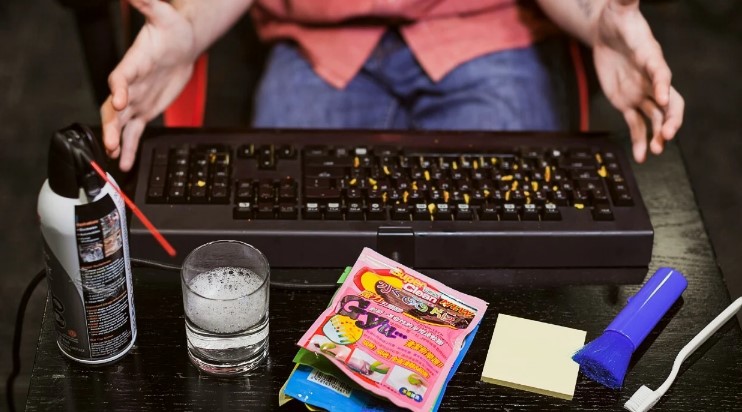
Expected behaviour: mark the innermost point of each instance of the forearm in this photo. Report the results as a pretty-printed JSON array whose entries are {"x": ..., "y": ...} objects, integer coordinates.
[
  {"x": 210, "y": 19},
  {"x": 576, "y": 17}
]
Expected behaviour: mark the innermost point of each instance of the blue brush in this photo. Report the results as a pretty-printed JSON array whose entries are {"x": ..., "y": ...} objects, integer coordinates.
[{"x": 605, "y": 359}]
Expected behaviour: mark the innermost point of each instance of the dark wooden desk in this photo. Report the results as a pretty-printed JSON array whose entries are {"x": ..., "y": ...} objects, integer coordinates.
[{"x": 157, "y": 374}]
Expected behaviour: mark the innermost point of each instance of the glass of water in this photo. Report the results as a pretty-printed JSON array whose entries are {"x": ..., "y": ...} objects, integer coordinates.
[{"x": 226, "y": 286}]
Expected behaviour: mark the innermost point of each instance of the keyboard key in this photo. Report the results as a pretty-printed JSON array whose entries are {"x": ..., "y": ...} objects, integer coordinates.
[
  {"x": 530, "y": 212},
  {"x": 312, "y": 211},
  {"x": 376, "y": 211},
  {"x": 265, "y": 193},
  {"x": 160, "y": 156},
  {"x": 158, "y": 176},
  {"x": 385, "y": 151},
  {"x": 287, "y": 211},
  {"x": 341, "y": 152},
  {"x": 329, "y": 162},
  {"x": 355, "y": 211},
  {"x": 442, "y": 211},
  {"x": 551, "y": 212},
  {"x": 584, "y": 175},
  {"x": 156, "y": 195},
  {"x": 559, "y": 198},
  {"x": 602, "y": 212},
  {"x": 463, "y": 212},
  {"x": 622, "y": 199},
  {"x": 286, "y": 152},
  {"x": 197, "y": 194},
  {"x": 220, "y": 159},
  {"x": 579, "y": 196},
  {"x": 539, "y": 197},
  {"x": 333, "y": 211},
  {"x": 509, "y": 211},
  {"x": 287, "y": 193},
  {"x": 420, "y": 211},
  {"x": 315, "y": 151},
  {"x": 324, "y": 172},
  {"x": 400, "y": 211},
  {"x": 243, "y": 210},
  {"x": 176, "y": 195},
  {"x": 620, "y": 195},
  {"x": 219, "y": 195},
  {"x": 287, "y": 183},
  {"x": 598, "y": 195},
  {"x": 477, "y": 198},
  {"x": 489, "y": 212},
  {"x": 375, "y": 196},
  {"x": 265, "y": 211},
  {"x": 244, "y": 191}
]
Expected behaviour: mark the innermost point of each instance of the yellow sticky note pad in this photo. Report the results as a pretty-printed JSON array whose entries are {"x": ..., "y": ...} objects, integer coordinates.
[{"x": 533, "y": 356}]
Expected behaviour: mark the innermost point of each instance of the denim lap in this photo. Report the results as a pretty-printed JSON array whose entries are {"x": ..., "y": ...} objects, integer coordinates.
[
  {"x": 519, "y": 89},
  {"x": 292, "y": 95}
]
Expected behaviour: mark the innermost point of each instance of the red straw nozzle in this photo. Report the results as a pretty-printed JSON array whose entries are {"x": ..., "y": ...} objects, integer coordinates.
[{"x": 152, "y": 229}]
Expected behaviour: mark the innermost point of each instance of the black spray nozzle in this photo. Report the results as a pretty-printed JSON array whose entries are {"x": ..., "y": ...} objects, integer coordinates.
[{"x": 70, "y": 153}]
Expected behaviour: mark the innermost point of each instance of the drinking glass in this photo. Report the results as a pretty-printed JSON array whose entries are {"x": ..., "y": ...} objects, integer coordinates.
[{"x": 226, "y": 287}]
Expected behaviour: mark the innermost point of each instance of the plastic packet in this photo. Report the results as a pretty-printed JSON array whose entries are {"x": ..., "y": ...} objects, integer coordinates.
[
  {"x": 319, "y": 383},
  {"x": 394, "y": 331}
]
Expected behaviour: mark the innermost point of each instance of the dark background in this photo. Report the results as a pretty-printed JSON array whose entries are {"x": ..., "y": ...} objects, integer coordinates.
[{"x": 44, "y": 85}]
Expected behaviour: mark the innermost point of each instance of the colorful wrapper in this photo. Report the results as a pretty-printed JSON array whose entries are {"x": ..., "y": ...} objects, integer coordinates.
[{"x": 395, "y": 332}]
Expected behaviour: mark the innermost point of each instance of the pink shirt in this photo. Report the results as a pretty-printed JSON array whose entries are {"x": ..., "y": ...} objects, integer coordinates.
[{"x": 337, "y": 36}]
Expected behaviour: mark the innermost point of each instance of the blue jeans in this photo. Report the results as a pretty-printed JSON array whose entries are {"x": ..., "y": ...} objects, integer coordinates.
[{"x": 519, "y": 89}]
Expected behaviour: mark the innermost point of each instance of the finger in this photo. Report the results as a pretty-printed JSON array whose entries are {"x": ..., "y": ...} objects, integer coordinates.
[
  {"x": 130, "y": 141},
  {"x": 118, "y": 82},
  {"x": 673, "y": 115},
  {"x": 638, "y": 131},
  {"x": 111, "y": 128},
  {"x": 655, "y": 116},
  {"x": 657, "y": 71}
]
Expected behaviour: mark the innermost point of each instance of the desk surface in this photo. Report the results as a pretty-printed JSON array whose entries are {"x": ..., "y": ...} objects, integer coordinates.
[{"x": 157, "y": 374}]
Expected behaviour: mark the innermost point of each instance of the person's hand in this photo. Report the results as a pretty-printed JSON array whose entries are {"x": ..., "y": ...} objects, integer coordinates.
[
  {"x": 150, "y": 76},
  {"x": 635, "y": 77}
]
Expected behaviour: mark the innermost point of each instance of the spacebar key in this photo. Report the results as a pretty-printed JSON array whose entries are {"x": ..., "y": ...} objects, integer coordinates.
[{"x": 315, "y": 193}]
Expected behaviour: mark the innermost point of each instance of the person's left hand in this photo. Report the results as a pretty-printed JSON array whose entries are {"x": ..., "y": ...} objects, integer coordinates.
[{"x": 635, "y": 76}]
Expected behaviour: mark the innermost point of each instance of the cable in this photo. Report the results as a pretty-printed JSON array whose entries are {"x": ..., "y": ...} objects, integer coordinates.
[
  {"x": 275, "y": 284},
  {"x": 17, "y": 332},
  {"x": 153, "y": 264}
]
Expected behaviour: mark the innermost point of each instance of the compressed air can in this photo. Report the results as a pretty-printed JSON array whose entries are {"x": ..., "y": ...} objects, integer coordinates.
[{"x": 86, "y": 252}]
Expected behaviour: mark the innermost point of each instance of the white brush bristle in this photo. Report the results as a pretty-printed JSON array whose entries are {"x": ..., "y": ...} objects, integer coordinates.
[{"x": 642, "y": 400}]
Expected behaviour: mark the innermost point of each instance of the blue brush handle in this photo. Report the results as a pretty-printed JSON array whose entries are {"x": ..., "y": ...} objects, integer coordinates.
[{"x": 649, "y": 305}]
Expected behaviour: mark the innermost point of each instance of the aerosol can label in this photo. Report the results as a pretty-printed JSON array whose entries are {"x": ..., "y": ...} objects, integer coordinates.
[{"x": 93, "y": 307}]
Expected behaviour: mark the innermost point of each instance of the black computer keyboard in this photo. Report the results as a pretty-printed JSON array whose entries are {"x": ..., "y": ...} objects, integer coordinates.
[{"x": 314, "y": 199}]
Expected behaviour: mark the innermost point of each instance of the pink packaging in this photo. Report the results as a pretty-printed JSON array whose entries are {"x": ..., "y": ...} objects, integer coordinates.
[{"x": 394, "y": 331}]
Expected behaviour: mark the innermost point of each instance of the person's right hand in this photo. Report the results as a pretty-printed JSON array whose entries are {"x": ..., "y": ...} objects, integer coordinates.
[{"x": 150, "y": 76}]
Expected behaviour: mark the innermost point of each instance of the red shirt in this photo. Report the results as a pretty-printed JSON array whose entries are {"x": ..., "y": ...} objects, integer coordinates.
[{"x": 337, "y": 36}]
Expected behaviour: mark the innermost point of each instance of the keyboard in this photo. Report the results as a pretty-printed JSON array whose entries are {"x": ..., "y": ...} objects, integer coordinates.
[{"x": 434, "y": 201}]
